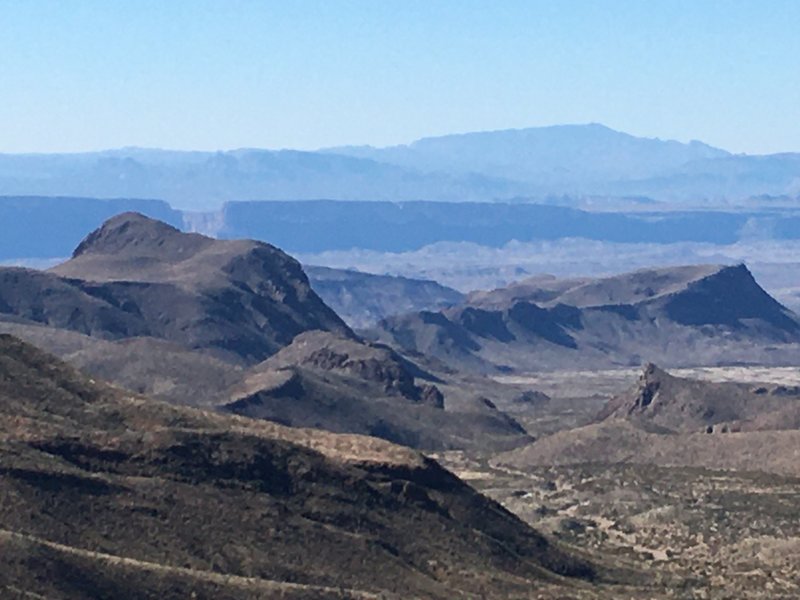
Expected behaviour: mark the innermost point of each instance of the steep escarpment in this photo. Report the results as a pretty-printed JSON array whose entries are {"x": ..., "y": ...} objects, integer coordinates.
[{"x": 698, "y": 315}]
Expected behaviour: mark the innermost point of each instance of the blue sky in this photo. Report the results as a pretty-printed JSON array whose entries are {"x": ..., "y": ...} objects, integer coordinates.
[{"x": 215, "y": 74}]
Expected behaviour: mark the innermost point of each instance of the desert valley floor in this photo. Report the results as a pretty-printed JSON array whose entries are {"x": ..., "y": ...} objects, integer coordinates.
[{"x": 681, "y": 531}]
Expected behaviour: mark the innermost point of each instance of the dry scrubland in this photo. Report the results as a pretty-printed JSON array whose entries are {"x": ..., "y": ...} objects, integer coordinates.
[{"x": 608, "y": 483}]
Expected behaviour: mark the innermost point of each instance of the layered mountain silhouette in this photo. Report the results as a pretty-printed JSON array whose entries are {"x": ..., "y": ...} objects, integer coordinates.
[
  {"x": 109, "y": 494},
  {"x": 479, "y": 166},
  {"x": 232, "y": 326},
  {"x": 569, "y": 155},
  {"x": 204, "y": 180},
  {"x": 696, "y": 315}
]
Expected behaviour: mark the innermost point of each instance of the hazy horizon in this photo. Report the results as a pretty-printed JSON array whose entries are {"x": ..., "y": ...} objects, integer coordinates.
[
  {"x": 89, "y": 75},
  {"x": 129, "y": 147}
]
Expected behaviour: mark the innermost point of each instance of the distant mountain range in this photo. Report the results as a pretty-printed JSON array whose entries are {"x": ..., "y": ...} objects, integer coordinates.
[
  {"x": 495, "y": 165},
  {"x": 572, "y": 156}
]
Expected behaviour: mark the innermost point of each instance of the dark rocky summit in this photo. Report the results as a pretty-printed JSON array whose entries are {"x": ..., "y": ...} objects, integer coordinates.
[{"x": 134, "y": 276}]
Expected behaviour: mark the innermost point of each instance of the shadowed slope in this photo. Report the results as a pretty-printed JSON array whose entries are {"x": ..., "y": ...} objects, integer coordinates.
[
  {"x": 86, "y": 469},
  {"x": 134, "y": 276},
  {"x": 363, "y": 299},
  {"x": 321, "y": 380},
  {"x": 697, "y": 315},
  {"x": 181, "y": 317}
]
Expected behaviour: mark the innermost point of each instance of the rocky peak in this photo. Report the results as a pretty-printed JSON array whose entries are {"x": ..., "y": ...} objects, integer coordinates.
[
  {"x": 134, "y": 234},
  {"x": 650, "y": 382},
  {"x": 325, "y": 351}
]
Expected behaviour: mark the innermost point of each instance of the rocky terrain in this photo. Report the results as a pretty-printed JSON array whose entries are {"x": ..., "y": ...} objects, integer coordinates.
[
  {"x": 675, "y": 404},
  {"x": 680, "y": 316},
  {"x": 634, "y": 482},
  {"x": 233, "y": 326},
  {"x": 695, "y": 532},
  {"x": 337, "y": 384},
  {"x": 673, "y": 421},
  {"x": 231, "y": 506},
  {"x": 706, "y": 515}
]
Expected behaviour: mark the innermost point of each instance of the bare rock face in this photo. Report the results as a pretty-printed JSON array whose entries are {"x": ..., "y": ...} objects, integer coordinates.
[
  {"x": 431, "y": 396},
  {"x": 662, "y": 401},
  {"x": 322, "y": 380},
  {"x": 377, "y": 364},
  {"x": 649, "y": 385}
]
